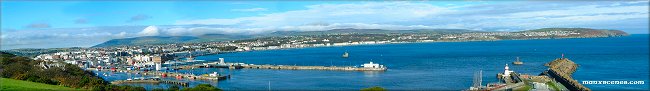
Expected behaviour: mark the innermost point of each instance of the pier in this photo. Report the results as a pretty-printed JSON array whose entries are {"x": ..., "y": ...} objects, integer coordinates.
[
  {"x": 347, "y": 68},
  {"x": 561, "y": 70},
  {"x": 369, "y": 67}
]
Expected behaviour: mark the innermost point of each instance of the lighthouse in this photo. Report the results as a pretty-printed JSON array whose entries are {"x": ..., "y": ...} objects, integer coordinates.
[{"x": 507, "y": 72}]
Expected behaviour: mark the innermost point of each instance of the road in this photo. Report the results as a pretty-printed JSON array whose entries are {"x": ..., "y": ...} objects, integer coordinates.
[{"x": 540, "y": 87}]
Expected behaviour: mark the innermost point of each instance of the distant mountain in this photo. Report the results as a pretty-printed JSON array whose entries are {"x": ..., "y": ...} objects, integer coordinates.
[
  {"x": 370, "y": 31},
  {"x": 587, "y": 32},
  {"x": 153, "y": 40},
  {"x": 219, "y": 37},
  {"x": 146, "y": 40}
]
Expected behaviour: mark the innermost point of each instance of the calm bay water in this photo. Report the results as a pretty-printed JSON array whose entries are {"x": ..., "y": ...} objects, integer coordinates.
[{"x": 431, "y": 66}]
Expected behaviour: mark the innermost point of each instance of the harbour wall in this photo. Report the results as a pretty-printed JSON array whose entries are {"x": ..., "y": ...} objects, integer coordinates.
[
  {"x": 279, "y": 67},
  {"x": 561, "y": 70}
]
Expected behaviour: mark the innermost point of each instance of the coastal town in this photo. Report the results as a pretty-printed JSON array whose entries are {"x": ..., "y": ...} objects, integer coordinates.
[
  {"x": 153, "y": 56},
  {"x": 163, "y": 60}
]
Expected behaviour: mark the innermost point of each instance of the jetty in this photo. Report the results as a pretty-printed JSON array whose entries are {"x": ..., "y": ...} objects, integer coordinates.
[
  {"x": 346, "y": 68},
  {"x": 366, "y": 67},
  {"x": 561, "y": 70}
]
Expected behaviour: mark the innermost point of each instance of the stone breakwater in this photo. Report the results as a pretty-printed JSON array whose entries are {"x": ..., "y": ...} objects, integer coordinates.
[
  {"x": 561, "y": 70},
  {"x": 278, "y": 67}
]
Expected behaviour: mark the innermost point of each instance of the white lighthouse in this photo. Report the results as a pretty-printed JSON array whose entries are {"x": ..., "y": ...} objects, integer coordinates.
[
  {"x": 221, "y": 61},
  {"x": 507, "y": 72}
]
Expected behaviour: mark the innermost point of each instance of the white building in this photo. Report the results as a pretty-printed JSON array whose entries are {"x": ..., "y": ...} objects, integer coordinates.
[
  {"x": 372, "y": 65},
  {"x": 507, "y": 72},
  {"x": 221, "y": 61},
  {"x": 158, "y": 66}
]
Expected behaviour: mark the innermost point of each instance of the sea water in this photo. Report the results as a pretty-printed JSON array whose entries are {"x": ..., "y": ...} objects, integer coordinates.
[{"x": 430, "y": 66}]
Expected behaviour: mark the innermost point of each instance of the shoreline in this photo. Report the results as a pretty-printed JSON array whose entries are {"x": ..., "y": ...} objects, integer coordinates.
[{"x": 389, "y": 43}]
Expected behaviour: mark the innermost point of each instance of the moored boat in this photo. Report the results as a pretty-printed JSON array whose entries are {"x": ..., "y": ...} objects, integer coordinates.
[
  {"x": 518, "y": 62},
  {"x": 215, "y": 76}
]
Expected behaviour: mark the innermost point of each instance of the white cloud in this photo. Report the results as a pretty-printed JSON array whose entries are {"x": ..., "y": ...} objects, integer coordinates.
[
  {"x": 582, "y": 11},
  {"x": 475, "y": 16},
  {"x": 639, "y": 1},
  {"x": 210, "y": 22},
  {"x": 250, "y": 10},
  {"x": 121, "y": 35},
  {"x": 42, "y": 39},
  {"x": 197, "y": 31},
  {"x": 336, "y": 13},
  {"x": 352, "y": 25},
  {"x": 149, "y": 31}
]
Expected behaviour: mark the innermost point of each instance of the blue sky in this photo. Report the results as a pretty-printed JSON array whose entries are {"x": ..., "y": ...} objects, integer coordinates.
[{"x": 42, "y": 24}]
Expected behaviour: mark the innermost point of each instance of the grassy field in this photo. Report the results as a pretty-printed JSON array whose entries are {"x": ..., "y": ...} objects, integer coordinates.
[
  {"x": 7, "y": 84},
  {"x": 552, "y": 85}
]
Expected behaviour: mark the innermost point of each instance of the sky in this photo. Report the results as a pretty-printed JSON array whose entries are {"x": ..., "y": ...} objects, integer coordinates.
[{"x": 56, "y": 24}]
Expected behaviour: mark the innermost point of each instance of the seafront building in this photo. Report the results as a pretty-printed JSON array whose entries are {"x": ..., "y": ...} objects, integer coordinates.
[{"x": 372, "y": 65}]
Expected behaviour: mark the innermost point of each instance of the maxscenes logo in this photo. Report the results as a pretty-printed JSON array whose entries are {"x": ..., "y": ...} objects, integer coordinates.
[{"x": 613, "y": 82}]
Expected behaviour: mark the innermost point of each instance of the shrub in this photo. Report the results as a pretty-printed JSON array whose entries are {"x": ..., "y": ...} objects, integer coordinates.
[
  {"x": 375, "y": 88},
  {"x": 202, "y": 87},
  {"x": 173, "y": 88}
]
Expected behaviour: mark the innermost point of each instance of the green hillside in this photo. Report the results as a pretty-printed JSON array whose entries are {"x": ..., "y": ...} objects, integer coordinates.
[
  {"x": 370, "y": 31},
  {"x": 584, "y": 31},
  {"x": 147, "y": 40},
  {"x": 155, "y": 40},
  {"x": 7, "y": 84}
]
